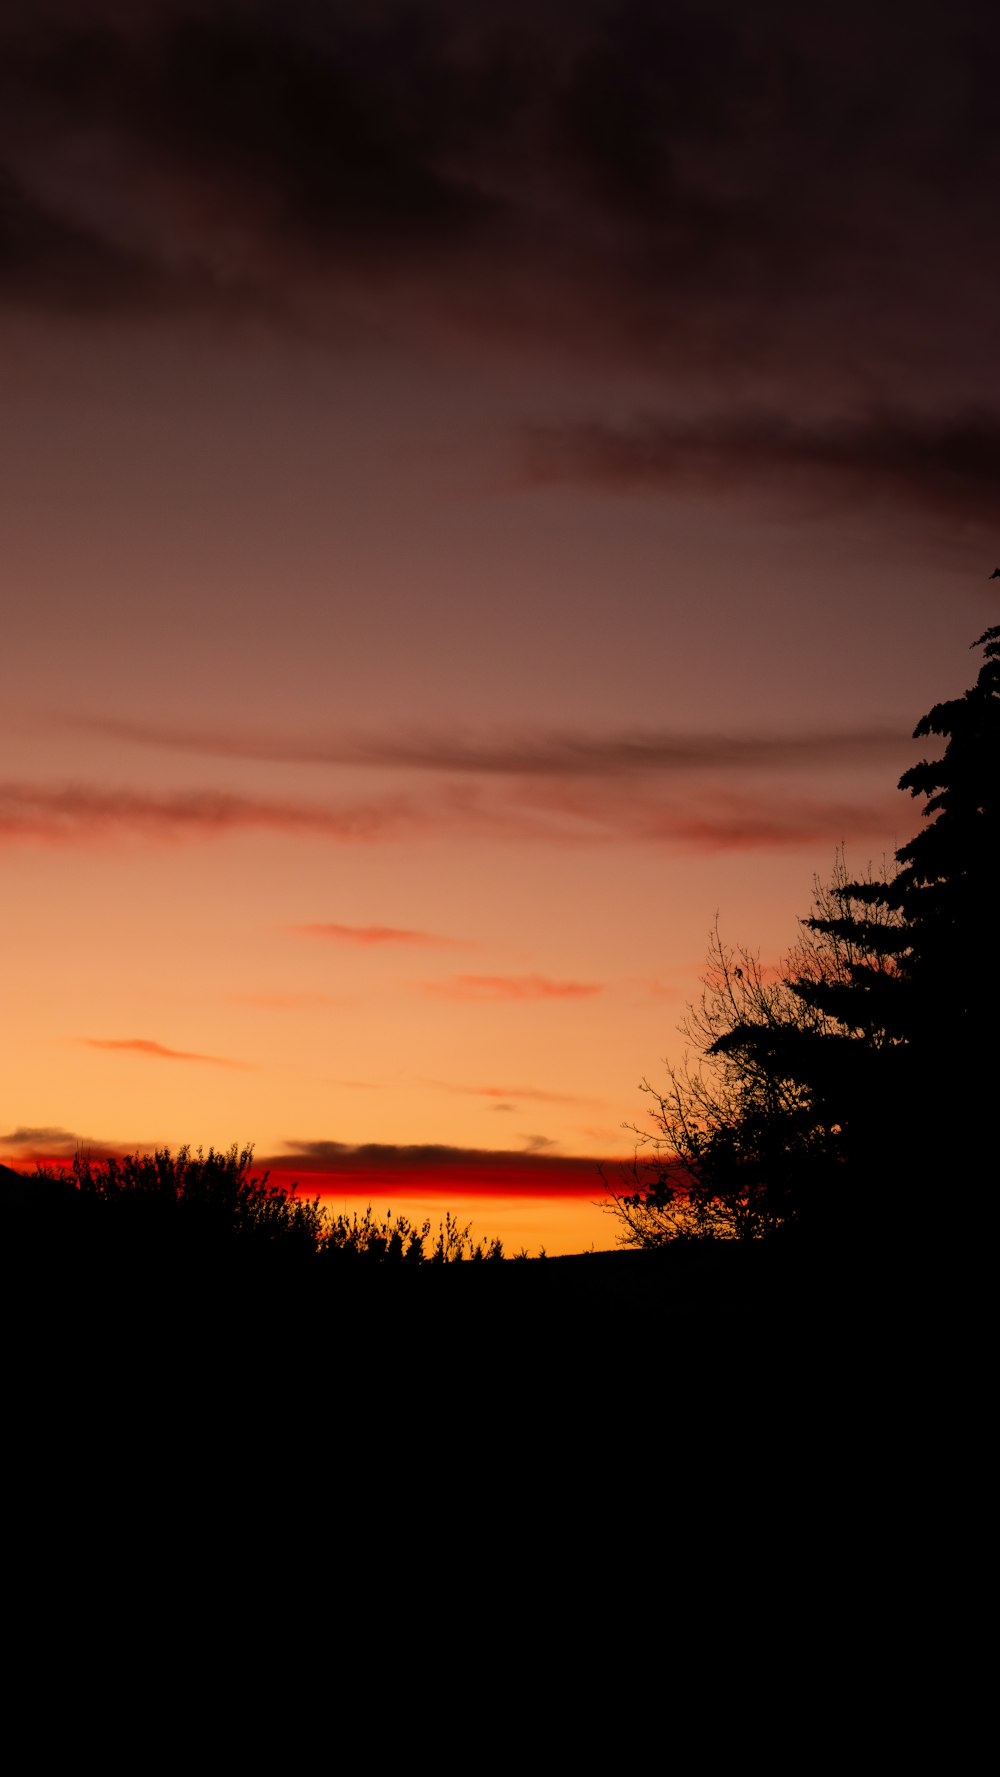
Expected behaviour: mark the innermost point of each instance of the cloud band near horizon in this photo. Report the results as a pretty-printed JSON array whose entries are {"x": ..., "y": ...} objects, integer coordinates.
[
  {"x": 335, "y": 1169},
  {"x": 370, "y": 1171}
]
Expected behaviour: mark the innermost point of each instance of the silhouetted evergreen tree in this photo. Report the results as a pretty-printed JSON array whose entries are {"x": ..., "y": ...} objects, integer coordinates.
[
  {"x": 905, "y": 1064},
  {"x": 858, "y": 1090}
]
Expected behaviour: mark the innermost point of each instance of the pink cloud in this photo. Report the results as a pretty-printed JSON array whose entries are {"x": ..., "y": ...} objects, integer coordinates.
[
  {"x": 375, "y": 935},
  {"x": 511, "y": 987},
  {"x": 508, "y": 1093}
]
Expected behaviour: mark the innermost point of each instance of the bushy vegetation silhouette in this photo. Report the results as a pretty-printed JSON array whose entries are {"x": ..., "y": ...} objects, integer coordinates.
[
  {"x": 170, "y": 1205},
  {"x": 859, "y": 1078}
]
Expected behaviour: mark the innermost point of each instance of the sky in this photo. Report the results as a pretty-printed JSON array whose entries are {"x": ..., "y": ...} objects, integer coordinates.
[{"x": 487, "y": 493}]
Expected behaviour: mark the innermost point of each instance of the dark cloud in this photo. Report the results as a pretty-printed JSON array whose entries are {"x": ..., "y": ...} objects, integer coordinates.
[
  {"x": 209, "y": 139},
  {"x": 48, "y": 1137},
  {"x": 333, "y": 138},
  {"x": 685, "y": 186},
  {"x": 946, "y": 464},
  {"x": 50, "y": 260},
  {"x": 41, "y": 1146}
]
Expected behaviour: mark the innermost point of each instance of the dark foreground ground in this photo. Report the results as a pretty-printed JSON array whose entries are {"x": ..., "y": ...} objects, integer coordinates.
[
  {"x": 323, "y": 1481},
  {"x": 226, "y": 1432},
  {"x": 133, "y": 1357},
  {"x": 609, "y": 1321}
]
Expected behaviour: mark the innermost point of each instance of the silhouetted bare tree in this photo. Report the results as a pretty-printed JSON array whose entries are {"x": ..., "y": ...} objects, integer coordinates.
[{"x": 739, "y": 1143}]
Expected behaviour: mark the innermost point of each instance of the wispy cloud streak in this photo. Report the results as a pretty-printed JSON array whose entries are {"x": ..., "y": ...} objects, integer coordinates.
[
  {"x": 74, "y": 812},
  {"x": 563, "y": 811},
  {"x": 158, "y": 1051},
  {"x": 535, "y": 753},
  {"x": 947, "y": 463},
  {"x": 535, "y": 1094}
]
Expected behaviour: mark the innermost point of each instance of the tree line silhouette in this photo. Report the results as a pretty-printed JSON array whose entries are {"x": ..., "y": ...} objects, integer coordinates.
[{"x": 855, "y": 1089}]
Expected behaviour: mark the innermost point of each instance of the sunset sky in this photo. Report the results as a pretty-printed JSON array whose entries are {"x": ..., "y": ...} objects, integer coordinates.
[{"x": 486, "y": 490}]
